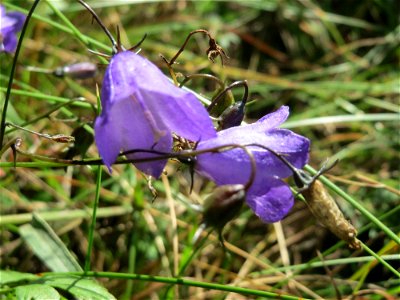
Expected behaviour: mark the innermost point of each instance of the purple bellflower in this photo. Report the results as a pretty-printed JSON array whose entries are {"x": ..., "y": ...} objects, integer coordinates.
[
  {"x": 269, "y": 197},
  {"x": 10, "y": 24},
  {"x": 141, "y": 109}
]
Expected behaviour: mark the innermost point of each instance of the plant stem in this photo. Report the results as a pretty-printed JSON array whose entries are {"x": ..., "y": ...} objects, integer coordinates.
[
  {"x": 103, "y": 212},
  {"x": 13, "y": 67},
  {"x": 180, "y": 281},
  {"x": 93, "y": 224}
]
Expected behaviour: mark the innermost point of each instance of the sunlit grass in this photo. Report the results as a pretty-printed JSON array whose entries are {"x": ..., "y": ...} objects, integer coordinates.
[{"x": 336, "y": 67}]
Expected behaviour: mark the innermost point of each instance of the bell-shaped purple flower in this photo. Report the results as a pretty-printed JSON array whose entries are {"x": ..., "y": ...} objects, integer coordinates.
[
  {"x": 141, "y": 109},
  {"x": 10, "y": 24},
  {"x": 269, "y": 197}
]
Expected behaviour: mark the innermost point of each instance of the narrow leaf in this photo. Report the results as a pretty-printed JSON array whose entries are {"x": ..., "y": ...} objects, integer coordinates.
[
  {"x": 7, "y": 277},
  {"x": 36, "y": 291},
  {"x": 81, "y": 288},
  {"x": 47, "y": 246}
]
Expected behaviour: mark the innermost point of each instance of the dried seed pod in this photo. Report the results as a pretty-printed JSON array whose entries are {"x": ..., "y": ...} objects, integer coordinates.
[
  {"x": 216, "y": 50},
  {"x": 326, "y": 211},
  {"x": 81, "y": 70},
  {"x": 62, "y": 138}
]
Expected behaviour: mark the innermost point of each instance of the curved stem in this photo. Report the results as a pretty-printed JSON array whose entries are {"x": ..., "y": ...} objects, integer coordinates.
[
  {"x": 166, "y": 155},
  {"x": 171, "y": 62},
  {"x": 307, "y": 179},
  {"x": 192, "y": 153},
  {"x": 302, "y": 179},
  {"x": 9, "y": 144},
  {"x": 115, "y": 45},
  {"x": 13, "y": 67},
  {"x": 231, "y": 86},
  {"x": 133, "y": 48},
  {"x": 199, "y": 75},
  {"x": 170, "y": 70}
]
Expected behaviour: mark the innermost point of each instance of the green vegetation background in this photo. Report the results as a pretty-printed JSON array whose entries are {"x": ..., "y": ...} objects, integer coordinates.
[{"x": 334, "y": 63}]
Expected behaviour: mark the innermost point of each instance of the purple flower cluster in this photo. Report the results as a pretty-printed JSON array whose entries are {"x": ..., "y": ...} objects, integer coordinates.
[
  {"x": 142, "y": 109},
  {"x": 10, "y": 24}
]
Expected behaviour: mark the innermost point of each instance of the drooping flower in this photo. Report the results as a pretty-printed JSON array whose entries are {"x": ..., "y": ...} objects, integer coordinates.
[
  {"x": 269, "y": 197},
  {"x": 141, "y": 109},
  {"x": 10, "y": 24}
]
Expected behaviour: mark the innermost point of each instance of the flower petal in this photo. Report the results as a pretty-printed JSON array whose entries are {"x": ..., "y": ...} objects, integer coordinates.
[
  {"x": 19, "y": 19},
  {"x": 182, "y": 113},
  {"x": 10, "y": 24},
  {"x": 119, "y": 81},
  {"x": 266, "y": 123},
  {"x": 273, "y": 203},
  {"x": 233, "y": 166},
  {"x": 9, "y": 43},
  {"x": 125, "y": 126},
  {"x": 107, "y": 139},
  {"x": 271, "y": 120},
  {"x": 177, "y": 109}
]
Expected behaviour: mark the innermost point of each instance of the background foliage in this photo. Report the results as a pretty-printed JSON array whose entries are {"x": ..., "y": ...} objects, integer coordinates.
[{"x": 334, "y": 63}]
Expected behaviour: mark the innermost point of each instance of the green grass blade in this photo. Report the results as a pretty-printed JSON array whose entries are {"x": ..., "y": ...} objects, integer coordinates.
[{"x": 45, "y": 243}]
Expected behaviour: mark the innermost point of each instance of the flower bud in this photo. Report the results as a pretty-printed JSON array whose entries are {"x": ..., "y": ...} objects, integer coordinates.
[
  {"x": 232, "y": 116},
  {"x": 223, "y": 205},
  {"x": 81, "y": 70},
  {"x": 223, "y": 100}
]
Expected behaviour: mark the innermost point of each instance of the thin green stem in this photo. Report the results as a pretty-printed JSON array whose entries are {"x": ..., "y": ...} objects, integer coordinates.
[
  {"x": 68, "y": 23},
  {"x": 49, "y": 98},
  {"x": 94, "y": 218},
  {"x": 180, "y": 281},
  {"x": 186, "y": 263},
  {"x": 381, "y": 260},
  {"x": 43, "y": 116},
  {"x": 81, "y": 37},
  {"x": 316, "y": 262},
  {"x": 132, "y": 254},
  {"x": 193, "y": 254},
  {"x": 384, "y": 117},
  {"x": 328, "y": 262},
  {"x": 103, "y": 212},
  {"x": 13, "y": 67},
  {"x": 58, "y": 26}
]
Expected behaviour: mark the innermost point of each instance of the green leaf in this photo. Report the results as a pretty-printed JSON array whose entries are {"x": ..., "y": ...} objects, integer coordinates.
[
  {"x": 82, "y": 288},
  {"x": 12, "y": 115},
  {"x": 7, "y": 277},
  {"x": 47, "y": 246},
  {"x": 36, "y": 291}
]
